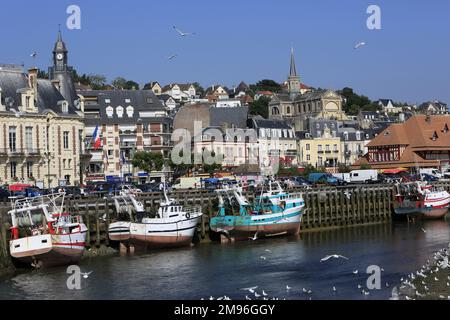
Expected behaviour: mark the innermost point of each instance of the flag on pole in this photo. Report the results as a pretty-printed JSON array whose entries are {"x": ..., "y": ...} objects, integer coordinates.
[{"x": 96, "y": 138}]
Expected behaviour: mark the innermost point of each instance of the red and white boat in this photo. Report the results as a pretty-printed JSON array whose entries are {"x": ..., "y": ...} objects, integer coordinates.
[
  {"x": 419, "y": 198},
  {"x": 43, "y": 235}
]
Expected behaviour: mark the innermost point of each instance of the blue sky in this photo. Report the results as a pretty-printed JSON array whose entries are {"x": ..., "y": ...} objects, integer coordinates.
[{"x": 408, "y": 60}]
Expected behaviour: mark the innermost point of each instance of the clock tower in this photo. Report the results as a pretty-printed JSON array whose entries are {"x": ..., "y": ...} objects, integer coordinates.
[
  {"x": 61, "y": 73},
  {"x": 60, "y": 54}
]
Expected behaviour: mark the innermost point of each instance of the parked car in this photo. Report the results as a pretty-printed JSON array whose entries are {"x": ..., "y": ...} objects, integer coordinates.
[
  {"x": 322, "y": 178},
  {"x": 73, "y": 192},
  {"x": 432, "y": 172},
  {"x": 4, "y": 194},
  {"x": 429, "y": 178}
]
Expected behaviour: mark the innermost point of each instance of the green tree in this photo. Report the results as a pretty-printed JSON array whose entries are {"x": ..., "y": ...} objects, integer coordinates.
[
  {"x": 266, "y": 85},
  {"x": 365, "y": 166},
  {"x": 131, "y": 85},
  {"x": 119, "y": 83},
  {"x": 355, "y": 103},
  {"x": 148, "y": 161},
  {"x": 200, "y": 91},
  {"x": 260, "y": 107},
  {"x": 97, "y": 81}
]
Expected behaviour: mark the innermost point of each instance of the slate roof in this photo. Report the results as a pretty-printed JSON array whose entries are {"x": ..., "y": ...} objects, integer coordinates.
[
  {"x": 236, "y": 116},
  {"x": 271, "y": 124},
  {"x": 140, "y": 100},
  {"x": 12, "y": 80}
]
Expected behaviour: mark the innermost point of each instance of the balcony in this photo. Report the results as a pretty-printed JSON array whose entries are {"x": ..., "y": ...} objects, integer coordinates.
[
  {"x": 13, "y": 153},
  {"x": 30, "y": 152},
  {"x": 3, "y": 153}
]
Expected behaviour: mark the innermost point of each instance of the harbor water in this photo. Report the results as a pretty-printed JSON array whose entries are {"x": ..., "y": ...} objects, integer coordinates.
[{"x": 216, "y": 270}]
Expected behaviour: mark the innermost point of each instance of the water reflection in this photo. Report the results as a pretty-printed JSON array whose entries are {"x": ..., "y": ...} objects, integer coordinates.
[{"x": 217, "y": 270}]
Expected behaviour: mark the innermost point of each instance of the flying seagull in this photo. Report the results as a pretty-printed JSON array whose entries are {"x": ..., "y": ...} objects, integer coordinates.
[
  {"x": 172, "y": 57},
  {"x": 360, "y": 44},
  {"x": 335, "y": 256},
  {"x": 86, "y": 274},
  {"x": 251, "y": 289},
  {"x": 255, "y": 237},
  {"x": 34, "y": 54},
  {"x": 183, "y": 34}
]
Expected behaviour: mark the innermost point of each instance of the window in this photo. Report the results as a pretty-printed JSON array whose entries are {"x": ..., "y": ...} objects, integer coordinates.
[
  {"x": 13, "y": 169},
  {"x": 29, "y": 138},
  {"x": 288, "y": 110},
  {"x": 335, "y": 147},
  {"x": 64, "y": 163},
  {"x": 65, "y": 107},
  {"x": 109, "y": 112},
  {"x": 308, "y": 157},
  {"x": 127, "y": 100},
  {"x": 12, "y": 139},
  {"x": 130, "y": 111},
  {"x": 327, "y": 147},
  {"x": 319, "y": 148},
  {"x": 29, "y": 169},
  {"x": 66, "y": 140},
  {"x": 110, "y": 153},
  {"x": 119, "y": 111},
  {"x": 70, "y": 164},
  {"x": 107, "y": 100},
  {"x": 308, "y": 147},
  {"x": 150, "y": 100}
]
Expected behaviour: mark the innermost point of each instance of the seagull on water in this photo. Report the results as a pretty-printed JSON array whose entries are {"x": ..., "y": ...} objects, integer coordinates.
[
  {"x": 268, "y": 251},
  {"x": 264, "y": 293},
  {"x": 334, "y": 289},
  {"x": 263, "y": 258},
  {"x": 288, "y": 288},
  {"x": 181, "y": 33},
  {"x": 334, "y": 256},
  {"x": 257, "y": 295},
  {"x": 360, "y": 44},
  {"x": 247, "y": 298},
  {"x": 86, "y": 274},
  {"x": 355, "y": 272}
]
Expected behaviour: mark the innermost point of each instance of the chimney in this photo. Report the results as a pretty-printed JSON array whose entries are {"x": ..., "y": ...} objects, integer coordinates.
[
  {"x": 2, "y": 107},
  {"x": 32, "y": 79}
]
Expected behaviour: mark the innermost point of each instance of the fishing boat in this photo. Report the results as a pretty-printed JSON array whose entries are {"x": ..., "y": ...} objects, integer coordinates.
[
  {"x": 43, "y": 234},
  {"x": 171, "y": 226},
  {"x": 274, "y": 213},
  {"x": 421, "y": 199}
]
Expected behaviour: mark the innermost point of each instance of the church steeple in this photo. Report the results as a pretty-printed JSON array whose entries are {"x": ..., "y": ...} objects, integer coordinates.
[
  {"x": 293, "y": 70},
  {"x": 293, "y": 79}
]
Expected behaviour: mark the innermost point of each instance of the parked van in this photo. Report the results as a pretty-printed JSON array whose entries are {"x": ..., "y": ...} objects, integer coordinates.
[
  {"x": 432, "y": 172},
  {"x": 359, "y": 176},
  {"x": 188, "y": 183}
]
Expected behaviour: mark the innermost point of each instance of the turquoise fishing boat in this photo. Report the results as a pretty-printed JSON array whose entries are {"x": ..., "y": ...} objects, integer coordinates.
[{"x": 273, "y": 213}]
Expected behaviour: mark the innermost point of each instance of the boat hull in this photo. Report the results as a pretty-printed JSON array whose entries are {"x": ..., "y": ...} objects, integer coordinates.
[
  {"x": 45, "y": 251},
  {"x": 156, "y": 234},
  {"x": 270, "y": 225}
]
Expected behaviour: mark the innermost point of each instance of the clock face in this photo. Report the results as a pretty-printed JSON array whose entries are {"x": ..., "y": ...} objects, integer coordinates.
[{"x": 59, "y": 56}]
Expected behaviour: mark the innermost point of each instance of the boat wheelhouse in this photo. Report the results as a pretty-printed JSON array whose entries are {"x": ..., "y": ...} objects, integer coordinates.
[
  {"x": 43, "y": 234},
  {"x": 273, "y": 213},
  {"x": 171, "y": 226}
]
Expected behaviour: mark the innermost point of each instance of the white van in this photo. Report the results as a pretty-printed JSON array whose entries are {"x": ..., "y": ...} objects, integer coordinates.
[
  {"x": 432, "y": 172},
  {"x": 187, "y": 183},
  {"x": 359, "y": 176}
]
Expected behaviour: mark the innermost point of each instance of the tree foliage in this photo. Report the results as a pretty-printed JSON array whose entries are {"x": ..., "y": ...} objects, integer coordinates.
[
  {"x": 148, "y": 161},
  {"x": 260, "y": 107},
  {"x": 356, "y": 103},
  {"x": 266, "y": 85}
]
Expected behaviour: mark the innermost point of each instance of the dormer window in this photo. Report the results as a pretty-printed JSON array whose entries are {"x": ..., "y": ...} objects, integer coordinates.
[
  {"x": 65, "y": 107},
  {"x": 109, "y": 112},
  {"x": 130, "y": 111},
  {"x": 435, "y": 136},
  {"x": 107, "y": 100},
  {"x": 120, "y": 111},
  {"x": 127, "y": 100}
]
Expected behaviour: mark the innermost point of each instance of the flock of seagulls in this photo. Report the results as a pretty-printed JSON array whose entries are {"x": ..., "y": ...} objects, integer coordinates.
[{"x": 415, "y": 286}]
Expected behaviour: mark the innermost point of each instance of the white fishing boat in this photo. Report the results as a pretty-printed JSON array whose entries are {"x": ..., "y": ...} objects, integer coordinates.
[
  {"x": 43, "y": 235},
  {"x": 171, "y": 226}
]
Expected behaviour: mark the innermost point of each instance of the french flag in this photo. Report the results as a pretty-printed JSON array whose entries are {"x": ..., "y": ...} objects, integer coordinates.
[{"x": 96, "y": 138}]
